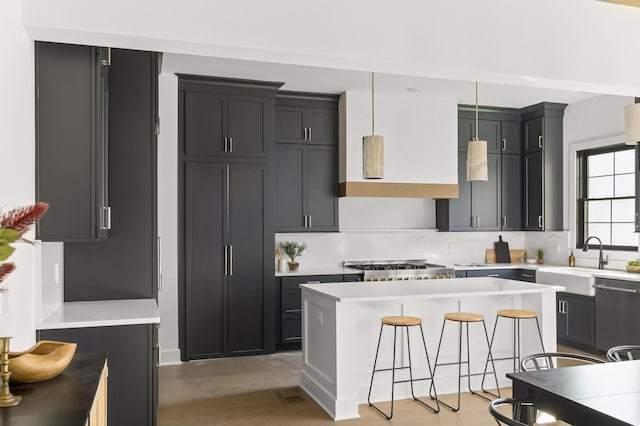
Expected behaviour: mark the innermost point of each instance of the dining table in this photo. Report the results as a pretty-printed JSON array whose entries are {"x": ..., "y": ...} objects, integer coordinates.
[{"x": 593, "y": 394}]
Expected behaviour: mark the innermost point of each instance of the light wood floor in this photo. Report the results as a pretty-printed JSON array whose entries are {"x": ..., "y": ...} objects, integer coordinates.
[{"x": 262, "y": 390}]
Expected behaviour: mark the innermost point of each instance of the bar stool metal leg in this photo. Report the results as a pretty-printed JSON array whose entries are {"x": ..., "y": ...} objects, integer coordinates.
[
  {"x": 493, "y": 366},
  {"x": 415, "y": 398}
]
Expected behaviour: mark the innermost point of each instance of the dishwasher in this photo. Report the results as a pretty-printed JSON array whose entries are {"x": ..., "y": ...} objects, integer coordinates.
[{"x": 617, "y": 312}]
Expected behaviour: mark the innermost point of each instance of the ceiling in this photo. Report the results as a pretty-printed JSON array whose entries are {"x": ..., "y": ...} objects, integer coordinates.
[{"x": 326, "y": 80}]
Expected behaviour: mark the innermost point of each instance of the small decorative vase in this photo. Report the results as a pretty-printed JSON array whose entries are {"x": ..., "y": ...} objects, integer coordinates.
[
  {"x": 540, "y": 261},
  {"x": 7, "y": 399},
  {"x": 293, "y": 266}
]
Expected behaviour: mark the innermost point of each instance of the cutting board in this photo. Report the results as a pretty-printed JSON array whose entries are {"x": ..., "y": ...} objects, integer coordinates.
[
  {"x": 515, "y": 254},
  {"x": 502, "y": 251}
]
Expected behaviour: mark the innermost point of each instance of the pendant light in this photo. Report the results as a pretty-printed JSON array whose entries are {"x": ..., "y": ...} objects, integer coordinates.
[
  {"x": 372, "y": 146},
  {"x": 477, "y": 169},
  {"x": 632, "y": 123}
]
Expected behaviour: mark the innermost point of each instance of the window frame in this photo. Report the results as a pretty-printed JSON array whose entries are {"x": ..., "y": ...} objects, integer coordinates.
[{"x": 581, "y": 194}]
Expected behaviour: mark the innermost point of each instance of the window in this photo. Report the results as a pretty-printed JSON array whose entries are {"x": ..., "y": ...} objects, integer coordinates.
[{"x": 606, "y": 197}]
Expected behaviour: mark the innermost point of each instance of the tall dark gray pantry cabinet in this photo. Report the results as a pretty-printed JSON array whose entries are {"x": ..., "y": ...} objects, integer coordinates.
[
  {"x": 226, "y": 144},
  {"x": 85, "y": 96}
]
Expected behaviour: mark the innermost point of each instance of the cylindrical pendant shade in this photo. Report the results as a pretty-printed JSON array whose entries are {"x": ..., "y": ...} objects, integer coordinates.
[
  {"x": 632, "y": 124},
  {"x": 477, "y": 169},
  {"x": 372, "y": 156}
]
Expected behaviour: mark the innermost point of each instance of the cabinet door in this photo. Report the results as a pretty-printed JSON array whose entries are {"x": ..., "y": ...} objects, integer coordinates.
[
  {"x": 245, "y": 123},
  {"x": 321, "y": 195},
  {"x": 581, "y": 320},
  {"x": 533, "y": 191},
  {"x": 533, "y": 131},
  {"x": 205, "y": 213},
  {"x": 527, "y": 275},
  {"x": 130, "y": 356},
  {"x": 290, "y": 176},
  {"x": 511, "y": 137},
  {"x": 509, "y": 274},
  {"x": 489, "y": 130},
  {"x": 247, "y": 230},
  {"x": 511, "y": 200},
  {"x": 466, "y": 132},
  {"x": 485, "y": 197},
  {"x": 290, "y": 124},
  {"x": 323, "y": 126},
  {"x": 205, "y": 123},
  {"x": 70, "y": 142},
  {"x": 460, "y": 208}
]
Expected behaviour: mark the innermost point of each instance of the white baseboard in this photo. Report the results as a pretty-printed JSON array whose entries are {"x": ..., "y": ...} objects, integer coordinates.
[{"x": 170, "y": 357}]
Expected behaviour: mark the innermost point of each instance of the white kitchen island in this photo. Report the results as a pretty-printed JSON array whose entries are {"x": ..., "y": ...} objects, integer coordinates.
[{"x": 341, "y": 323}]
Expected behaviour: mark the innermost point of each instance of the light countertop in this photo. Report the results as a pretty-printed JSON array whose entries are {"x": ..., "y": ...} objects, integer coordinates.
[
  {"x": 419, "y": 289},
  {"x": 318, "y": 270},
  {"x": 102, "y": 313},
  {"x": 480, "y": 266}
]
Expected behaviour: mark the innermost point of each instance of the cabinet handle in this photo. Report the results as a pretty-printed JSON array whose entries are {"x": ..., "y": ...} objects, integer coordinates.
[
  {"x": 105, "y": 218},
  {"x": 559, "y": 306},
  {"x": 230, "y": 261},
  {"x": 305, "y": 220},
  {"x": 159, "y": 240},
  {"x": 310, "y": 225},
  {"x": 540, "y": 141},
  {"x": 504, "y": 144},
  {"x": 310, "y": 134},
  {"x": 230, "y": 144},
  {"x": 305, "y": 133},
  {"x": 539, "y": 221},
  {"x": 494, "y": 275},
  {"x": 527, "y": 275},
  {"x": 225, "y": 148},
  {"x": 504, "y": 221},
  {"x": 226, "y": 261},
  {"x": 477, "y": 221},
  {"x": 106, "y": 61},
  {"x": 312, "y": 282},
  {"x": 292, "y": 311}
]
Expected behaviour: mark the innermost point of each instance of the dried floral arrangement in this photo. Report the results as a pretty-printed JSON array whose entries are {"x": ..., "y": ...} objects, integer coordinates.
[{"x": 13, "y": 225}]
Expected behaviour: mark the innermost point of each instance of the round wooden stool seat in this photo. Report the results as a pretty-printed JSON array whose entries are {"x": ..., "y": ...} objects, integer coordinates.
[
  {"x": 463, "y": 317},
  {"x": 401, "y": 320},
  {"x": 517, "y": 313}
]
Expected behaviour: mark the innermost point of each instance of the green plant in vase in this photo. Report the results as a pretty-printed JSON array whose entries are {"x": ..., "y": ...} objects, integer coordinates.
[
  {"x": 540, "y": 256},
  {"x": 293, "y": 249}
]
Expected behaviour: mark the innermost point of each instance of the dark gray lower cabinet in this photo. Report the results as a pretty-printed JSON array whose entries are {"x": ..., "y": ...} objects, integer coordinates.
[
  {"x": 508, "y": 274},
  {"x": 576, "y": 319},
  {"x": 131, "y": 352},
  {"x": 527, "y": 275},
  {"x": 226, "y": 238},
  {"x": 290, "y": 303}
]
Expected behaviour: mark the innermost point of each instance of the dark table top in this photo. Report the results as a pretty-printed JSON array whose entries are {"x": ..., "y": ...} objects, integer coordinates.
[
  {"x": 62, "y": 401},
  {"x": 609, "y": 391}
]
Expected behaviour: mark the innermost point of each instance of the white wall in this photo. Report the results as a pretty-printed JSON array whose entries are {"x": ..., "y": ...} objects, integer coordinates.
[
  {"x": 17, "y": 145},
  {"x": 168, "y": 217},
  {"x": 570, "y": 44},
  {"x": 591, "y": 123},
  {"x": 420, "y": 136}
]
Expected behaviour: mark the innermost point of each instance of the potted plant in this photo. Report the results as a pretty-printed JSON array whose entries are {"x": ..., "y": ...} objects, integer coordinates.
[
  {"x": 293, "y": 249},
  {"x": 540, "y": 256}
]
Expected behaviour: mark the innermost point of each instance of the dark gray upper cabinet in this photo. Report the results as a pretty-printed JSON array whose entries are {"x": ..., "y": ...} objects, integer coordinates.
[
  {"x": 534, "y": 134},
  {"x": 306, "y": 172},
  {"x": 510, "y": 137},
  {"x": 495, "y": 204},
  {"x": 217, "y": 111},
  {"x": 306, "y": 118},
  {"x": 511, "y": 192},
  {"x": 125, "y": 266},
  {"x": 71, "y": 141},
  {"x": 543, "y": 166}
]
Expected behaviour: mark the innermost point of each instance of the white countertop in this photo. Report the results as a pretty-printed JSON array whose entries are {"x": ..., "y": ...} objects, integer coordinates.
[
  {"x": 432, "y": 289},
  {"x": 318, "y": 270},
  {"x": 102, "y": 313},
  {"x": 472, "y": 266}
]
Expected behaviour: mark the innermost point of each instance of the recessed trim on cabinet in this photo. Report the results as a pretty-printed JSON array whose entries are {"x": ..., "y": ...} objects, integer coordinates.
[{"x": 400, "y": 190}]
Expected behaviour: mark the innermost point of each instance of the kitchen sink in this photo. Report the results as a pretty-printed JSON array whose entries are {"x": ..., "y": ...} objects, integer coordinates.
[{"x": 574, "y": 280}]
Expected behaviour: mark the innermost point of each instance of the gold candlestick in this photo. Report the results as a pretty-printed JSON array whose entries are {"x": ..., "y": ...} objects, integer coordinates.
[{"x": 7, "y": 399}]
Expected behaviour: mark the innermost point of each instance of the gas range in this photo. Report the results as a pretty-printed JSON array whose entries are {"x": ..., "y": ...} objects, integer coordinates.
[{"x": 389, "y": 270}]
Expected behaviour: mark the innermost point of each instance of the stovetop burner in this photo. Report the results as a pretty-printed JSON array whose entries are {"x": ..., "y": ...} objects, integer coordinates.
[{"x": 388, "y": 270}]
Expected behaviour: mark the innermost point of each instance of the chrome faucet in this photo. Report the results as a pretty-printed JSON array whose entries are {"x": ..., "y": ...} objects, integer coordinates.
[{"x": 601, "y": 260}]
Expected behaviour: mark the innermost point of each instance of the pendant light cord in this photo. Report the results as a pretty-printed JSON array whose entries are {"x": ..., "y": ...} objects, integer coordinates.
[
  {"x": 476, "y": 138},
  {"x": 373, "y": 109}
]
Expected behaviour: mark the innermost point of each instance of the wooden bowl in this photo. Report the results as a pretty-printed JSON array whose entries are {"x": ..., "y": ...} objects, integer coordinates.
[{"x": 44, "y": 361}]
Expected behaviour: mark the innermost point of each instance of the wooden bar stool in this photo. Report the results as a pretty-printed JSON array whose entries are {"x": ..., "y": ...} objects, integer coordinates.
[
  {"x": 406, "y": 322},
  {"x": 516, "y": 315},
  {"x": 464, "y": 318}
]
